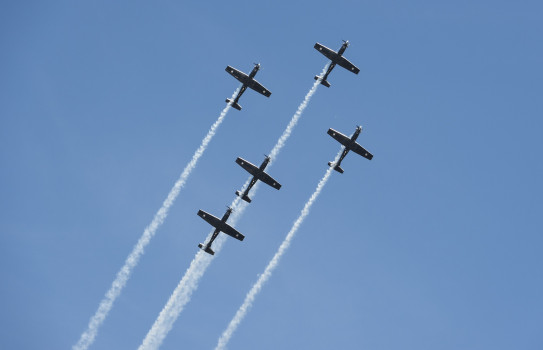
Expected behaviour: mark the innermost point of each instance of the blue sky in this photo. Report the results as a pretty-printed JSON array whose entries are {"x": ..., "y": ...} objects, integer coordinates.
[{"x": 435, "y": 243}]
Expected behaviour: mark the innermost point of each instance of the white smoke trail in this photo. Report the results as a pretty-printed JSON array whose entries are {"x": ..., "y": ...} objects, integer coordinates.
[
  {"x": 188, "y": 284},
  {"x": 283, "y": 139},
  {"x": 251, "y": 295},
  {"x": 87, "y": 338}
]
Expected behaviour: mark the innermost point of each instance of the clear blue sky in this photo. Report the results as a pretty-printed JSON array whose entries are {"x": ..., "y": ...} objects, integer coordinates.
[{"x": 435, "y": 243}]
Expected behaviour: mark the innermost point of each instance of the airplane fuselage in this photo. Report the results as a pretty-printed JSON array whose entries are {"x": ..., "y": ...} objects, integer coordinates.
[
  {"x": 246, "y": 81},
  {"x": 213, "y": 236},
  {"x": 226, "y": 215},
  {"x": 343, "y": 48},
  {"x": 332, "y": 65},
  {"x": 349, "y": 145},
  {"x": 253, "y": 72},
  {"x": 243, "y": 88},
  {"x": 220, "y": 227},
  {"x": 264, "y": 163},
  {"x": 256, "y": 174},
  {"x": 334, "y": 60}
]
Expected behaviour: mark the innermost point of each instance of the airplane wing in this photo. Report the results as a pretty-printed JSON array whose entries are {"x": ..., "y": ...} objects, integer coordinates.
[
  {"x": 255, "y": 85},
  {"x": 211, "y": 219},
  {"x": 223, "y": 226},
  {"x": 342, "y": 61},
  {"x": 331, "y": 54},
  {"x": 268, "y": 180},
  {"x": 362, "y": 151},
  {"x": 232, "y": 232},
  {"x": 248, "y": 166},
  {"x": 242, "y": 77},
  {"x": 339, "y": 136}
]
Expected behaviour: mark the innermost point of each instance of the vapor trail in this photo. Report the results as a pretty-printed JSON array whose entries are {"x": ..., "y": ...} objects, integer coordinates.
[
  {"x": 188, "y": 284},
  {"x": 87, "y": 338},
  {"x": 250, "y": 297}
]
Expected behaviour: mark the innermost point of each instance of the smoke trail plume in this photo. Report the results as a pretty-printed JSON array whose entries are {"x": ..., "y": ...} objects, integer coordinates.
[
  {"x": 283, "y": 139},
  {"x": 87, "y": 338},
  {"x": 250, "y": 297},
  {"x": 188, "y": 284}
]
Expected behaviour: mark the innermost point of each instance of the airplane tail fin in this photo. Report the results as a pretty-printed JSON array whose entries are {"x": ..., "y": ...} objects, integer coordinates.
[
  {"x": 323, "y": 82},
  {"x": 244, "y": 197},
  {"x": 206, "y": 249},
  {"x": 336, "y": 168},
  {"x": 234, "y": 104}
]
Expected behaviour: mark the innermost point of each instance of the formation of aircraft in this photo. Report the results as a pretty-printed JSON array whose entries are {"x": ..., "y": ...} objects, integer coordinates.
[
  {"x": 258, "y": 174},
  {"x": 336, "y": 58},
  {"x": 220, "y": 226},
  {"x": 247, "y": 81},
  {"x": 350, "y": 145}
]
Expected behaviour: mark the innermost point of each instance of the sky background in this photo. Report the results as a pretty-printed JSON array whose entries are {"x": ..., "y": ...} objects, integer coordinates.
[{"x": 435, "y": 243}]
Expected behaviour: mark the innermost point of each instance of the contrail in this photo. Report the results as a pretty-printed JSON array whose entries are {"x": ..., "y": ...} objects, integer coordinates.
[
  {"x": 87, "y": 338},
  {"x": 250, "y": 297},
  {"x": 188, "y": 284}
]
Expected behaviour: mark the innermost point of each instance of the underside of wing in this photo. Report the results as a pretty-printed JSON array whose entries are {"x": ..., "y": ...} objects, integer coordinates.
[
  {"x": 331, "y": 54},
  {"x": 212, "y": 220},
  {"x": 249, "y": 167},
  {"x": 338, "y": 136},
  {"x": 342, "y": 61},
  {"x": 232, "y": 232},
  {"x": 242, "y": 77},
  {"x": 362, "y": 151},
  {"x": 255, "y": 85},
  {"x": 268, "y": 180}
]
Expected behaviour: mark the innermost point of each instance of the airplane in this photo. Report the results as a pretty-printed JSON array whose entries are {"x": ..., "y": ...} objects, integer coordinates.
[
  {"x": 247, "y": 81},
  {"x": 350, "y": 145},
  {"x": 258, "y": 174},
  {"x": 220, "y": 225},
  {"x": 336, "y": 58}
]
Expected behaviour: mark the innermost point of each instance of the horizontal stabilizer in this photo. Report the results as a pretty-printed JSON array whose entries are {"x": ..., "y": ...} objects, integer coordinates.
[
  {"x": 234, "y": 104},
  {"x": 206, "y": 249},
  {"x": 323, "y": 82},
  {"x": 336, "y": 168},
  {"x": 244, "y": 197}
]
